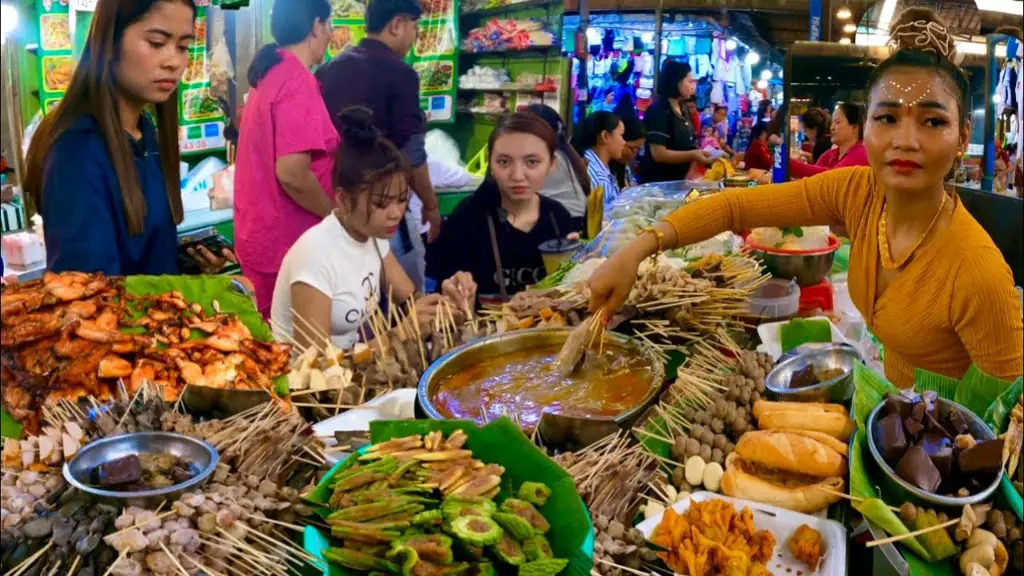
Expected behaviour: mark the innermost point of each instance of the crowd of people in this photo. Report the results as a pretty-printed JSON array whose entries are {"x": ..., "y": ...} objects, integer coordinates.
[{"x": 328, "y": 166}]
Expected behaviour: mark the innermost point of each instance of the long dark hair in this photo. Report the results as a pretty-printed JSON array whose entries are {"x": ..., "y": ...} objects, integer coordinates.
[
  {"x": 516, "y": 123},
  {"x": 816, "y": 119},
  {"x": 854, "y": 114},
  {"x": 922, "y": 41},
  {"x": 672, "y": 73},
  {"x": 366, "y": 162},
  {"x": 291, "y": 22},
  {"x": 93, "y": 92},
  {"x": 591, "y": 129},
  {"x": 634, "y": 130},
  {"x": 552, "y": 117}
]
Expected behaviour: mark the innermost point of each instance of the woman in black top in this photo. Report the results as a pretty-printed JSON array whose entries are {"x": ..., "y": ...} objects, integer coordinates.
[
  {"x": 495, "y": 234},
  {"x": 671, "y": 137}
]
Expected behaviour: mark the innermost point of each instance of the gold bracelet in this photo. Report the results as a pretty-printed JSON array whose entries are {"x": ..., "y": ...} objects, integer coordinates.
[{"x": 658, "y": 235}]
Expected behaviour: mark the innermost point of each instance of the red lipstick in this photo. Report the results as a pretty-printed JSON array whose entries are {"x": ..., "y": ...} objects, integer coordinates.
[{"x": 904, "y": 166}]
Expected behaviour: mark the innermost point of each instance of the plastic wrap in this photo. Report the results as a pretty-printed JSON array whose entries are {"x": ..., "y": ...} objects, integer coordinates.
[
  {"x": 656, "y": 201},
  {"x": 806, "y": 238}
]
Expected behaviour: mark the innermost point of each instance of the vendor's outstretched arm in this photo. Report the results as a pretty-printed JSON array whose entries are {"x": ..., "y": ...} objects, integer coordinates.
[{"x": 836, "y": 198}]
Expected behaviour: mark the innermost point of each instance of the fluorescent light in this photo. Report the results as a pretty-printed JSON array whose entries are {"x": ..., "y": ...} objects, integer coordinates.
[
  {"x": 850, "y": 28},
  {"x": 766, "y": 75},
  {"x": 762, "y": 84},
  {"x": 8, "y": 20},
  {"x": 844, "y": 40},
  {"x": 979, "y": 48},
  {"x": 730, "y": 44},
  {"x": 1004, "y": 6},
  {"x": 753, "y": 58},
  {"x": 844, "y": 13},
  {"x": 888, "y": 10}
]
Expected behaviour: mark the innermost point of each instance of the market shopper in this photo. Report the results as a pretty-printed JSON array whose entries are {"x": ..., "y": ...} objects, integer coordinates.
[
  {"x": 847, "y": 141},
  {"x": 104, "y": 178},
  {"x": 928, "y": 280},
  {"x": 634, "y": 136},
  {"x": 600, "y": 141},
  {"x": 375, "y": 76},
  {"x": 758, "y": 156},
  {"x": 286, "y": 146},
  {"x": 671, "y": 132},
  {"x": 568, "y": 183},
  {"x": 814, "y": 123},
  {"x": 495, "y": 234},
  {"x": 340, "y": 264}
]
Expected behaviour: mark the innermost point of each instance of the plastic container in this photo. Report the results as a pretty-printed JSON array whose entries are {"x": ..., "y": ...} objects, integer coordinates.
[
  {"x": 771, "y": 338},
  {"x": 818, "y": 297},
  {"x": 776, "y": 300},
  {"x": 557, "y": 251},
  {"x": 782, "y": 524}
]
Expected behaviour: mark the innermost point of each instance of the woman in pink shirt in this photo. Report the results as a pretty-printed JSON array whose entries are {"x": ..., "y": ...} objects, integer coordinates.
[
  {"x": 847, "y": 144},
  {"x": 286, "y": 145}
]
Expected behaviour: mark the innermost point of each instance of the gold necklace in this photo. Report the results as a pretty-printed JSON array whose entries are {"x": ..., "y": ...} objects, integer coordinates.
[{"x": 883, "y": 239}]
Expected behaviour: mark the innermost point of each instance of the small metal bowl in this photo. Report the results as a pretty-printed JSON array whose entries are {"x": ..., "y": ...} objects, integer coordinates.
[
  {"x": 826, "y": 357},
  {"x": 204, "y": 456},
  {"x": 905, "y": 491}
]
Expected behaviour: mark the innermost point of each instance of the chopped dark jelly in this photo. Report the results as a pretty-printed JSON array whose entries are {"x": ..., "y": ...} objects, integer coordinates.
[
  {"x": 958, "y": 422},
  {"x": 899, "y": 404},
  {"x": 940, "y": 449},
  {"x": 917, "y": 468},
  {"x": 803, "y": 378},
  {"x": 915, "y": 424},
  {"x": 983, "y": 459},
  {"x": 891, "y": 438},
  {"x": 124, "y": 470}
]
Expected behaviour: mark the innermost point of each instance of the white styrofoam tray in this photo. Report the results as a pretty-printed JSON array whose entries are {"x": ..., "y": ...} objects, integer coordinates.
[
  {"x": 782, "y": 524},
  {"x": 771, "y": 336}
]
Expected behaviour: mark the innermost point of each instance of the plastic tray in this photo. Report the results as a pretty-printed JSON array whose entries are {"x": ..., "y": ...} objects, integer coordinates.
[
  {"x": 782, "y": 523},
  {"x": 771, "y": 337}
]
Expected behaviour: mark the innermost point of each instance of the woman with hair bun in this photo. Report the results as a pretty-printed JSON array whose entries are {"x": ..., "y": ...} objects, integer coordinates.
[
  {"x": 928, "y": 280},
  {"x": 338, "y": 265},
  {"x": 287, "y": 144}
]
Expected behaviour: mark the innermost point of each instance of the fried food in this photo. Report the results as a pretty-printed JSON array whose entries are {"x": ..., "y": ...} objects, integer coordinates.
[
  {"x": 805, "y": 545},
  {"x": 63, "y": 338},
  {"x": 712, "y": 539}
]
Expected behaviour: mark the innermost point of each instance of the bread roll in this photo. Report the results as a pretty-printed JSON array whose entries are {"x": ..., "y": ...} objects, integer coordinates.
[
  {"x": 832, "y": 442},
  {"x": 832, "y": 423},
  {"x": 791, "y": 452},
  {"x": 793, "y": 495},
  {"x": 763, "y": 407}
]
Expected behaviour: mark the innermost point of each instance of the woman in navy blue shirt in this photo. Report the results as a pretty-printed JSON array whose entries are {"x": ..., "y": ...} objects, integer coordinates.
[{"x": 104, "y": 178}]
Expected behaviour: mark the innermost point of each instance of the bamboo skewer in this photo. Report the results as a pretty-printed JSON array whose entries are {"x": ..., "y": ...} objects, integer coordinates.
[{"x": 913, "y": 534}]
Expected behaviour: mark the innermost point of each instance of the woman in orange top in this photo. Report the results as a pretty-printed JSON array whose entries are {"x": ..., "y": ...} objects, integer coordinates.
[{"x": 926, "y": 277}]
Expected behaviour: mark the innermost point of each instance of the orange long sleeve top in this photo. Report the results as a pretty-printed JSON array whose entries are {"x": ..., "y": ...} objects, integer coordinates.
[{"x": 952, "y": 304}]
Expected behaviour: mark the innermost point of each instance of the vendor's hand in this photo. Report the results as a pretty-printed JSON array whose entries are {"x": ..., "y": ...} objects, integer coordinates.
[
  {"x": 432, "y": 217},
  {"x": 611, "y": 283},
  {"x": 461, "y": 290},
  {"x": 573, "y": 236}
]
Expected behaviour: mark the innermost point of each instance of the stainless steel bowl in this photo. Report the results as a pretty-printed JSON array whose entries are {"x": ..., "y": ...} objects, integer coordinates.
[
  {"x": 826, "y": 357},
  {"x": 204, "y": 456},
  {"x": 905, "y": 491},
  {"x": 558, "y": 431},
  {"x": 807, "y": 269}
]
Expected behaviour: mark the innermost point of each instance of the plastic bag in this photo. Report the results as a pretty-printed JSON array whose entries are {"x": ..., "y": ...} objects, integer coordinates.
[
  {"x": 221, "y": 73},
  {"x": 443, "y": 148}
]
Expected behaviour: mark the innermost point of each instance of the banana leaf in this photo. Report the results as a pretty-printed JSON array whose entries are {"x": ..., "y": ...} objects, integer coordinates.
[
  {"x": 203, "y": 290},
  {"x": 502, "y": 443},
  {"x": 998, "y": 417},
  {"x": 944, "y": 386},
  {"x": 978, "y": 390}
]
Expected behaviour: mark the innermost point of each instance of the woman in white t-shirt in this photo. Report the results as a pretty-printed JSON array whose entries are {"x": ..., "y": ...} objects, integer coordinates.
[{"x": 340, "y": 264}]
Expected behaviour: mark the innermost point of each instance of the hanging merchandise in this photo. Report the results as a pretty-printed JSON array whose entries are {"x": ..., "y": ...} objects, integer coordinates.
[{"x": 503, "y": 35}]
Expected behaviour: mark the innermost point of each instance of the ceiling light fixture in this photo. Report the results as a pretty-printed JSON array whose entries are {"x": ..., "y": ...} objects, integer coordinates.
[
  {"x": 844, "y": 40},
  {"x": 844, "y": 13},
  {"x": 753, "y": 58},
  {"x": 1004, "y": 6},
  {"x": 850, "y": 28},
  {"x": 730, "y": 44}
]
